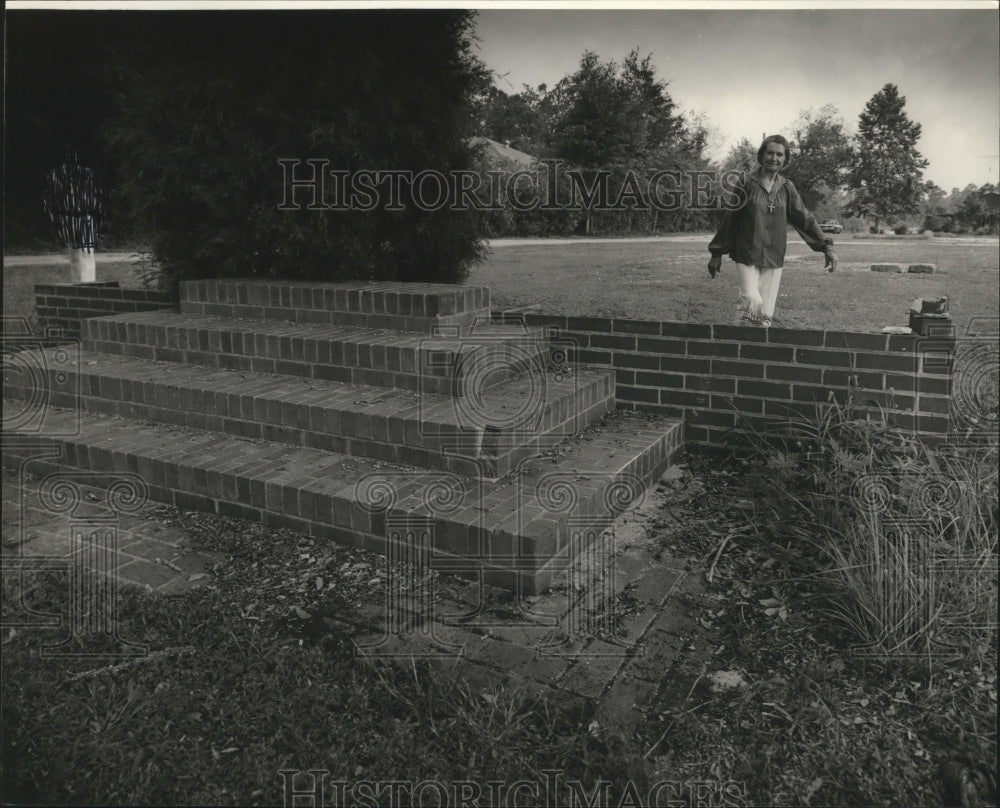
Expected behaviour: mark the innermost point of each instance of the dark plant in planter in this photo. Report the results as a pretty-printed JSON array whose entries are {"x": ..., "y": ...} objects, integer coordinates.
[{"x": 74, "y": 203}]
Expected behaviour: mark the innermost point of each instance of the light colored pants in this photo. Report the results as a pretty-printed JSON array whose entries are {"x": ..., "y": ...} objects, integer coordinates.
[{"x": 758, "y": 293}]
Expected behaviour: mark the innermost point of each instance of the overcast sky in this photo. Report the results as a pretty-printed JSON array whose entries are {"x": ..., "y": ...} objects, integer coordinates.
[{"x": 753, "y": 71}]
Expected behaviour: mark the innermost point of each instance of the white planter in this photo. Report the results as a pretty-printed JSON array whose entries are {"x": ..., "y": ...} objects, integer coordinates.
[{"x": 82, "y": 265}]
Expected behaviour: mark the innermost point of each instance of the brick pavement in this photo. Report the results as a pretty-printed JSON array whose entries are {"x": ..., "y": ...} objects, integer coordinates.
[
  {"x": 147, "y": 553},
  {"x": 554, "y": 644}
]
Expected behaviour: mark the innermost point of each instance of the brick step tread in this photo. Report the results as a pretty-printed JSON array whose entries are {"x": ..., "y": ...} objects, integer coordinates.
[
  {"x": 379, "y": 357},
  {"x": 378, "y": 297},
  {"x": 147, "y": 327},
  {"x": 516, "y": 531},
  {"x": 355, "y": 319},
  {"x": 521, "y": 414}
]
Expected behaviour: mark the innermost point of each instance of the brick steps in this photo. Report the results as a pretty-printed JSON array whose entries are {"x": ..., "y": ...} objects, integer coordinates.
[
  {"x": 484, "y": 434},
  {"x": 417, "y": 307},
  {"x": 392, "y": 416},
  {"x": 517, "y": 532},
  {"x": 451, "y": 365}
]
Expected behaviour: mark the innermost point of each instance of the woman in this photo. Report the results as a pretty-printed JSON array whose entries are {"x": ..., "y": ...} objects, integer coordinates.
[{"x": 754, "y": 235}]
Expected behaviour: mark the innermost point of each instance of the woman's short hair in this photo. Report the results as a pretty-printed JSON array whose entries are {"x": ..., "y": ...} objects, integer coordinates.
[{"x": 775, "y": 139}]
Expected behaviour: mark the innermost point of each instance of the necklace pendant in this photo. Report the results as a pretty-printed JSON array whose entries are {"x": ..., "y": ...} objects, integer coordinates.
[{"x": 770, "y": 207}]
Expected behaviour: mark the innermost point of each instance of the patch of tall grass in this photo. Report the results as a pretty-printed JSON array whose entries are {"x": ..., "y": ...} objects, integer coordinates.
[{"x": 897, "y": 536}]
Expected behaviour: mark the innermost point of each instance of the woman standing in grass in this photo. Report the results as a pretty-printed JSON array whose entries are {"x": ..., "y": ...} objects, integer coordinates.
[{"x": 754, "y": 235}]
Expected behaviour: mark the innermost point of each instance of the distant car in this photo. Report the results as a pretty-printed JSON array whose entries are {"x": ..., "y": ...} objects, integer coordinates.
[{"x": 831, "y": 226}]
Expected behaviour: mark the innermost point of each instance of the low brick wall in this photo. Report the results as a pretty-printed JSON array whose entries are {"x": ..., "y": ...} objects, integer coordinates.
[
  {"x": 61, "y": 307},
  {"x": 725, "y": 379},
  {"x": 721, "y": 379}
]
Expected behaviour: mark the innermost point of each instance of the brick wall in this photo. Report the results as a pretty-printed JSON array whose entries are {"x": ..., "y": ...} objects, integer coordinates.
[
  {"x": 725, "y": 379},
  {"x": 721, "y": 379},
  {"x": 62, "y": 306}
]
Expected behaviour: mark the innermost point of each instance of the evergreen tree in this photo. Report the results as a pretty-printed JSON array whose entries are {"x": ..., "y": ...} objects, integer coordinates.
[
  {"x": 887, "y": 174},
  {"x": 209, "y": 103}
]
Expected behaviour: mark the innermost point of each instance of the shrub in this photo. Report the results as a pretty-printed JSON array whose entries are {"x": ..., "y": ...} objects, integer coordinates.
[{"x": 206, "y": 113}]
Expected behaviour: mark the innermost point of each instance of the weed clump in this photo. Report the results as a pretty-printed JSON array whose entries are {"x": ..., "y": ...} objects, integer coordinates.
[{"x": 900, "y": 535}]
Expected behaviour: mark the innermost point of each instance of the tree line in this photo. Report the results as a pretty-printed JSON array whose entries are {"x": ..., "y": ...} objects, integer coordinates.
[
  {"x": 607, "y": 122},
  {"x": 614, "y": 116}
]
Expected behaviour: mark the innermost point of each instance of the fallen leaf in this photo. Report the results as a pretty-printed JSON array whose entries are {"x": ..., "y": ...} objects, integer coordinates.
[
  {"x": 726, "y": 681},
  {"x": 813, "y": 787},
  {"x": 672, "y": 474}
]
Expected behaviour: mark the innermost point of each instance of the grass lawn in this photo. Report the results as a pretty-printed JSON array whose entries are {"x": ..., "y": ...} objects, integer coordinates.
[
  {"x": 20, "y": 274},
  {"x": 668, "y": 280}
]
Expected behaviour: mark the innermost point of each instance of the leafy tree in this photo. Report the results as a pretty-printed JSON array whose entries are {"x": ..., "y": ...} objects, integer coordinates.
[
  {"x": 618, "y": 118},
  {"x": 959, "y": 195},
  {"x": 516, "y": 120},
  {"x": 935, "y": 195},
  {"x": 657, "y": 125},
  {"x": 605, "y": 117},
  {"x": 888, "y": 170},
  {"x": 742, "y": 156},
  {"x": 613, "y": 114},
  {"x": 935, "y": 207},
  {"x": 209, "y": 103},
  {"x": 595, "y": 128},
  {"x": 822, "y": 155},
  {"x": 700, "y": 133},
  {"x": 977, "y": 207},
  {"x": 831, "y": 203}
]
